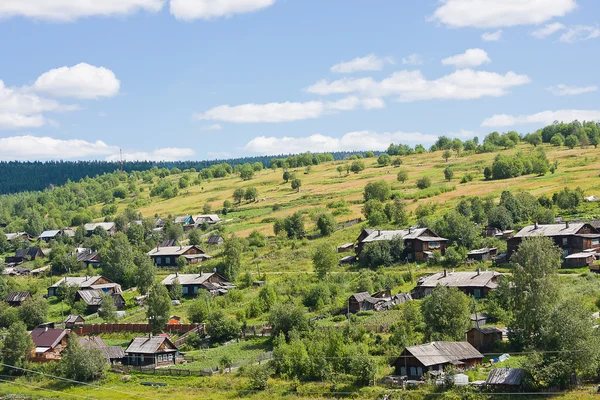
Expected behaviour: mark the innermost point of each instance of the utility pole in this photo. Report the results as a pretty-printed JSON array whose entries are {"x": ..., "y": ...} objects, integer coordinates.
[{"x": 121, "y": 158}]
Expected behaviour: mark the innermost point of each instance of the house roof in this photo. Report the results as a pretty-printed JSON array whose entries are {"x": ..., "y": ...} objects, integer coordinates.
[
  {"x": 149, "y": 345},
  {"x": 411, "y": 233},
  {"x": 71, "y": 318},
  {"x": 91, "y": 297},
  {"x": 345, "y": 246},
  {"x": 181, "y": 219},
  {"x": 583, "y": 255},
  {"x": 215, "y": 239},
  {"x": 171, "y": 250},
  {"x": 362, "y": 296},
  {"x": 485, "y": 250},
  {"x": 551, "y": 229},
  {"x": 505, "y": 376},
  {"x": 104, "y": 225},
  {"x": 30, "y": 252},
  {"x": 82, "y": 281},
  {"x": 487, "y": 330},
  {"x": 191, "y": 279},
  {"x": 461, "y": 279},
  {"x": 49, "y": 234},
  {"x": 443, "y": 352},
  {"x": 210, "y": 217},
  {"x": 110, "y": 352},
  {"x": 43, "y": 337},
  {"x": 17, "y": 297},
  {"x": 14, "y": 235}
]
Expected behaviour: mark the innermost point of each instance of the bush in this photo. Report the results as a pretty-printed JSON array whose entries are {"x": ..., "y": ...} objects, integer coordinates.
[
  {"x": 377, "y": 190},
  {"x": 424, "y": 182}
]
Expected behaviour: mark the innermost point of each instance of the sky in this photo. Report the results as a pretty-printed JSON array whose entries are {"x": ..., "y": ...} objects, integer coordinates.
[{"x": 206, "y": 79}]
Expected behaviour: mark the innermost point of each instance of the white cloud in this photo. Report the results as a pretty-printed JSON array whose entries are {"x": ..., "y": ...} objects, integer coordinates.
[
  {"x": 367, "y": 63},
  {"x": 492, "y": 36},
  {"x": 470, "y": 58},
  {"x": 499, "y": 13},
  {"x": 413, "y": 59},
  {"x": 270, "y": 112},
  {"x": 413, "y": 86},
  {"x": 579, "y": 33},
  {"x": 71, "y": 10},
  {"x": 45, "y": 148},
  {"x": 10, "y": 121},
  {"x": 353, "y": 102},
  {"x": 361, "y": 140},
  {"x": 189, "y": 10},
  {"x": 83, "y": 81},
  {"x": 162, "y": 154},
  {"x": 564, "y": 90},
  {"x": 212, "y": 127},
  {"x": 548, "y": 30},
  {"x": 542, "y": 118}
]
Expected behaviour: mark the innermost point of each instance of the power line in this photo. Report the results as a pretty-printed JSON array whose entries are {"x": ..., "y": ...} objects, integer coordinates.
[{"x": 46, "y": 389}]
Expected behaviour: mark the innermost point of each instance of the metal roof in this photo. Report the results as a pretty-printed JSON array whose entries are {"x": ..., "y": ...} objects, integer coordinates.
[
  {"x": 215, "y": 239},
  {"x": 568, "y": 228},
  {"x": 505, "y": 376},
  {"x": 210, "y": 217},
  {"x": 49, "y": 234},
  {"x": 171, "y": 250},
  {"x": 461, "y": 279},
  {"x": 44, "y": 337},
  {"x": 104, "y": 225},
  {"x": 181, "y": 219},
  {"x": 82, "y": 281},
  {"x": 91, "y": 297},
  {"x": 485, "y": 250},
  {"x": 580, "y": 255},
  {"x": 191, "y": 279},
  {"x": 17, "y": 297},
  {"x": 71, "y": 318},
  {"x": 149, "y": 345},
  {"x": 435, "y": 353},
  {"x": 412, "y": 233}
]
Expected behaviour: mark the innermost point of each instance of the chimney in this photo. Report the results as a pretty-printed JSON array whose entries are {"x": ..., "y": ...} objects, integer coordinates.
[
  {"x": 567, "y": 224},
  {"x": 46, "y": 328},
  {"x": 478, "y": 271},
  {"x": 445, "y": 272},
  {"x": 378, "y": 233},
  {"x": 535, "y": 225},
  {"x": 176, "y": 274},
  {"x": 157, "y": 246}
]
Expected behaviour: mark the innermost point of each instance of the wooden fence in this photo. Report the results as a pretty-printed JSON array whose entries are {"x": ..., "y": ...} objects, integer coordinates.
[{"x": 141, "y": 328}]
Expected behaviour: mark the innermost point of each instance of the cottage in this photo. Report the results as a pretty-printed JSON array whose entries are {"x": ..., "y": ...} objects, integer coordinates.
[
  {"x": 87, "y": 283},
  {"x": 483, "y": 339},
  {"x": 191, "y": 283},
  {"x": 157, "y": 351},
  {"x": 216, "y": 240},
  {"x": 113, "y": 354},
  {"x": 86, "y": 257},
  {"x": 19, "y": 237},
  {"x": 93, "y": 299},
  {"x": 571, "y": 237},
  {"x": 16, "y": 298},
  {"x": 108, "y": 227},
  {"x": 49, "y": 343},
  {"x": 415, "y": 361},
  {"x": 380, "y": 301},
  {"x": 47, "y": 236},
  {"x": 477, "y": 283},
  {"x": 23, "y": 255},
  {"x": 485, "y": 254},
  {"x": 505, "y": 378},
  {"x": 345, "y": 248},
  {"x": 419, "y": 243},
  {"x": 167, "y": 256},
  {"x": 210, "y": 219},
  {"x": 183, "y": 220},
  {"x": 583, "y": 259},
  {"x": 73, "y": 321}
]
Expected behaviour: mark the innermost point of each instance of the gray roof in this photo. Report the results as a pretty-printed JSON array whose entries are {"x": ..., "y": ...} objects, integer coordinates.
[
  {"x": 550, "y": 229},
  {"x": 580, "y": 255},
  {"x": 73, "y": 318},
  {"x": 148, "y": 345},
  {"x": 104, "y": 225},
  {"x": 17, "y": 297},
  {"x": 83, "y": 281},
  {"x": 362, "y": 296},
  {"x": 485, "y": 250},
  {"x": 12, "y": 236},
  {"x": 110, "y": 352},
  {"x": 31, "y": 252},
  {"x": 412, "y": 233},
  {"x": 461, "y": 279},
  {"x": 190, "y": 279},
  {"x": 443, "y": 352},
  {"x": 170, "y": 250},
  {"x": 208, "y": 217},
  {"x": 181, "y": 219},
  {"x": 49, "y": 234},
  {"x": 505, "y": 376},
  {"x": 215, "y": 239},
  {"x": 91, "y": 297}
]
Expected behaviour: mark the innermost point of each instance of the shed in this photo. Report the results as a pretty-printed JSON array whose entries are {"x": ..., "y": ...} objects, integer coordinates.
[
  {"x": 484, "y": 254},
  {"x": 582, "y": 259},
  {"x": 484, "y": 338},
  {"x": 505, "y": 378},
  {"x": 215, "y": 240},
  {"x": 93, "y": 299},
  {"x": 345, "y": 248},
  {"x": 23, "y": 255},
  {"x": 16, "y": 298},
  {"x": 348, "y": 260},
  {"x": 73, "y": 321},
  {"x": 113, "y": 354}
]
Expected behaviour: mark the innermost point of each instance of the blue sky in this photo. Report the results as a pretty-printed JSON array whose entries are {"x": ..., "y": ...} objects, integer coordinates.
[{"x": 197, "y": 79}]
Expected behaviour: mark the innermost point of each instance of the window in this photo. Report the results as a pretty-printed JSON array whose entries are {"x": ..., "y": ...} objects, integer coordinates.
[
  {"x": 195, "y": 289},
  {"x": 565, "y": 253},
  {"x": 158, "y": 260},
  {"x": 477, "y": 293},
  {"x": 160, "y": 358},
  {"x": 413, "y": 371},
  {"x": 184, "y": 290},
  {"x": 170, "y": 357},
  {"x": 141, "y": 358},
  {"x": 402, "y": 371},
  {"x": 419, "y": 371},
  {"x": 167, "y": 260},
  {"x": 565, "y": 241},
  {"x": 434, "y": 245},
  {"x": 595, "y": 241}
]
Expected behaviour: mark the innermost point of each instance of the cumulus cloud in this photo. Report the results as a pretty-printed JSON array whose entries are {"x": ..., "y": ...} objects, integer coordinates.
[
  {"x": 212, "y": 127},
  {"x": 12, "y": 121},
  {"x": 46, "y": 148},
  {"x": 492, "y": 36},
  {"x": 548, "y": 30},
  {"x": 83, "y": 81},
  {"x": 564, "y": 90},
  {"x": 470, "y": 58},
  {"x": 361, "y": 140},
  {"x": 162, "y": 154},
  {"x": 367, "y": 63},
  {"x": 69, "y": 10},
  {"x": 188, "y": 10},
  {"x": 499, "y": 13},
  {"x": 541, "y": 118},
  {"x": 413, "y": 59},
  {"x": 579, "y": 33},
  {"x": 413, "y": 86},
  {"x": 353, "y": 102}
]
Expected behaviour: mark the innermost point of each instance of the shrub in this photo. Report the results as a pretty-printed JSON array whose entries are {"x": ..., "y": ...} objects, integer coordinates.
[{"x": 424, "y": 182}]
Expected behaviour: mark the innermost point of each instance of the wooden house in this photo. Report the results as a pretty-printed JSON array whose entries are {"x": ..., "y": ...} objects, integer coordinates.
[
  {"x": 93, "y": 299},
  {"x": 490, "y": 231},
  {"x": 345, "y": 248},
  {"x": 484, "y": 254},
  {"x": 210, "y": 219},
  {"x": 168, "y": 256},
  {"x": 48, "y": 344},
  {"x": 476, "y": 283},
  {"x": 183, "y": 220},
  {"x": 578, "y": 260},
  {"x": 484, "y": 338},
  {"x": 190, "y": 283},
  {"x": 419, "y": 243},
  {"x": 157, "y": 351},
  {"x": 15, "y": 299},
  {"x": 23, "y": 255},
  {"x": 108, "y": 227},
  {"x": 73, "y": 321},
  {"x": 348, "y": 260},
  {"x": 98, "y": 282},
  {"x": 505, "y": 379},
  {"x": 86, "y": 257},
  {"x": 571, "y": 237},
  {"x": 216, "y": 240},
  {"x": 434, "y": 357}
]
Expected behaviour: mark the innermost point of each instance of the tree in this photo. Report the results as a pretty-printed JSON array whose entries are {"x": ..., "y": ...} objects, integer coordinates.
[
  {"x": 448, "y": 174},
  {"x": 294, "y": 225},
  {"x": 286, "y": 176},
  {"x": 116, "y": 259},
  {"x": 446, "y": 314},
  {"x": 195, "y": 238},
  {"x": 226, "y": 363},
  {"x": 267, "y": 297},
  {"x": 446, "y": 155},
  {"x": 410, "y": 326},
  {"x": 258, "y": 376},
  {"x": 251, "y": 194},
  {"x": 257, "y": 166},
  {"x": 108, "y": 310},
  {"x": 17, "y": 347},
  {"x": 376, "y": 254},
  {"x": 232, "y": 252},
  {"x": 324, "y": 259},
  {"x": 424, "y": 182},
  {"x": 296, "y": 183},
  {"x": 246, "y": 172},
  {"x": 357, "y": 166},
  {"x": 369, "y": 154},
  {"x": 326, "y": 224},
  {"x": 144, "y": 275},
  {"x": 384, "y": 160},
  {"x": 377, "y": 190},
  {"x": 535, "y": 265},
  {"x": 499, "y": 217},
  {"x": 340, "y": 169},
  {"x": 33, "y": 311},
  {"x": 159, "y": 307},
  {"x": 374, "y": 211},
  {"x": 238, "y": 195},
  {"x": 284, "y": 318},
  {"x": 67, "y": 293},
  {"x": 222, "y": 328},
  {"x": 402, "y": 176},
  {"x": 82, "y": 363},
  {"x": 571, "y": 141},
  {"x": 557, "y": 140},
  {"x": 199, "y": 308},
  {"x": 534, "y": 139},
  {"x": 398, "y": 212},
  {"x": 176, "y": 290},
  {"x": 256, "y": 239},
  {"x": 4, "y": 244}
]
